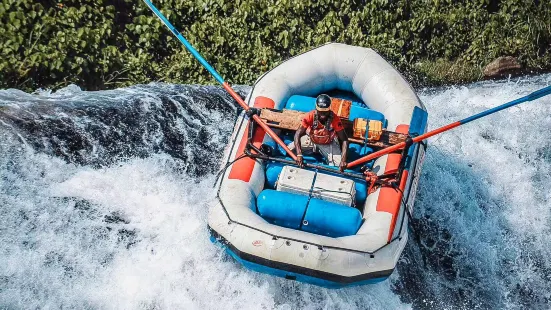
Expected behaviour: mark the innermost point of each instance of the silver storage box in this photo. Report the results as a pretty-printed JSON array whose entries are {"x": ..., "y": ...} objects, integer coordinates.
[
  {"x": 334, "y": 189},
  {"x": 323, "y": 186},
  {"x": 295, "y": 180}
]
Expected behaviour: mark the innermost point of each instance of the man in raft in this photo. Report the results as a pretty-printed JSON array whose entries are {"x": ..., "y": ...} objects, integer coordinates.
[{"x": 318, "y": 132}]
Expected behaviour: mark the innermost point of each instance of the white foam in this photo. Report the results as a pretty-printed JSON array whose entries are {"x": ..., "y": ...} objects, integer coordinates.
[
  {"x": 172, "y": 263},
  {"x": 485, "y": 182}
]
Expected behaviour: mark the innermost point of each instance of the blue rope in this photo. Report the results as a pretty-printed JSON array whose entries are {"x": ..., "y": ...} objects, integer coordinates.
[{"x": 188, "y": 46}]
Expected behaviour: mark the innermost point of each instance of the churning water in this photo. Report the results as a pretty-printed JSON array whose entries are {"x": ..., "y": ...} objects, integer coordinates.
[{"x": 104, "y": 198}]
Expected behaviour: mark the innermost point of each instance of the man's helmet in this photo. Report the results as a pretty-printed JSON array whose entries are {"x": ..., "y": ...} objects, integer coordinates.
[{"x": 323, "y": 103}]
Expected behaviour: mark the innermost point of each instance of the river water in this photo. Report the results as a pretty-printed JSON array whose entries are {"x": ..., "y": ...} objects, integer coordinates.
[{"x": 104, "y": 199}]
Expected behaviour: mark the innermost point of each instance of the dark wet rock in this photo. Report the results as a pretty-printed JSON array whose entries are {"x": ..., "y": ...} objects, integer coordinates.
[{"x": 502, "y": 67}]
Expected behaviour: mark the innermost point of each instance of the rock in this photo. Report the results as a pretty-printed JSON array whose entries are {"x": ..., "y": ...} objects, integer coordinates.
[{"x": 502, "y": 67}]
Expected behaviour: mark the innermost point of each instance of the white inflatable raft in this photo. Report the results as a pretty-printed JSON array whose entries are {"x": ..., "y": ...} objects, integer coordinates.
[{"x": 308, "y": 224}]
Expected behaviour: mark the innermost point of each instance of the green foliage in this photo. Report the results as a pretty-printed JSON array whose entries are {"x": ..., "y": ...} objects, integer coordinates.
[
  {"x": 110, "y": 43},
  {"x": 443, "y": 71}
]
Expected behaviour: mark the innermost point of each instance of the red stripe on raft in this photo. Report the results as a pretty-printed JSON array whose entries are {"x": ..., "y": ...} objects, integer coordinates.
[
  {"x": 243, "y": 168},
  {"x": 389, "y": 198}
]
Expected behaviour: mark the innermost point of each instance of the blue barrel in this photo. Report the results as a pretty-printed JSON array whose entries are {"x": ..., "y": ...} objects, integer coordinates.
[
  {"x": 287, "y": 139},
  {"x": 282, "y": 209},
  {"x": 272, "y": 144},
  {"x": 301, "y": 103},
  {"x": 273, "y": 169},
  {"x": 356, "y": 151},
  {"x": 331, "y": 219}
]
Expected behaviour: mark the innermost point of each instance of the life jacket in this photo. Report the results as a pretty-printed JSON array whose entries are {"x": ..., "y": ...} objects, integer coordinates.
[{"x": 322, "y": 133}]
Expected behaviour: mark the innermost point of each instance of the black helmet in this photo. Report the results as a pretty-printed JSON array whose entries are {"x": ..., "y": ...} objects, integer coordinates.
[{"x": 323, "y": 103}]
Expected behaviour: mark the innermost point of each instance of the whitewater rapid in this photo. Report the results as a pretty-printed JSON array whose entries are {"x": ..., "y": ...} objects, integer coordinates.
[{"x": 104, "y": 198}]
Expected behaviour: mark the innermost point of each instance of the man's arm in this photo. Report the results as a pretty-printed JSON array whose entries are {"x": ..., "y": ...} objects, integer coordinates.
[
  {"x": 344, "y": 140},
  {"x": 301, "y": 131},
  {"x": 298, "y": 134}
]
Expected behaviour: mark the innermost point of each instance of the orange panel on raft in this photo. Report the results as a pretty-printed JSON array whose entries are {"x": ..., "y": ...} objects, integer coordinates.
[
  {"x": 243, "y": 168},
  {"x": 389, "y": 198}
]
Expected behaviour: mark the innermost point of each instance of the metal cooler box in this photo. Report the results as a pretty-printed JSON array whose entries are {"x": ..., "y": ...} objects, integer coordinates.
[{"x": 323, "y": 186}]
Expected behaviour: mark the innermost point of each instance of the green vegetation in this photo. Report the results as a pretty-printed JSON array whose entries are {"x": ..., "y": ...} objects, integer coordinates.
[{"x": 109, "y": 43}]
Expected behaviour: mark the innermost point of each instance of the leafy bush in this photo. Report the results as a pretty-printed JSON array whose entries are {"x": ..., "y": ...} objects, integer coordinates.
[{"x": 110, "y": 43}]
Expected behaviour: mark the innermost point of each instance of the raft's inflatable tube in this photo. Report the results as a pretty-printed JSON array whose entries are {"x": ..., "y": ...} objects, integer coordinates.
[
  {"x": 365, "y": 247},
  {"x": 357, "y": 110}
]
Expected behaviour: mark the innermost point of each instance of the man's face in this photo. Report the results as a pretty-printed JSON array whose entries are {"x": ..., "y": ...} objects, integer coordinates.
[{"x": 323, "y": 115}]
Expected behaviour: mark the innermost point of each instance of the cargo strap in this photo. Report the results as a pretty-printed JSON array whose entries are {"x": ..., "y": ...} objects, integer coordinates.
[{"x": 310, "y": 192}]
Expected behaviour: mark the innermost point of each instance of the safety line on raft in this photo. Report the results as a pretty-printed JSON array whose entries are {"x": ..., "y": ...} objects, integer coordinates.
[{"x": 218, "y": 78}]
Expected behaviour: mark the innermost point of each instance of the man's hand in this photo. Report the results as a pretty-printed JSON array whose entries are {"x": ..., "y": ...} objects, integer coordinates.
[
  {"x": 342, "y": 166},
  {"x": 300, "y": 161},
  {"x": 301, "y": 131}
]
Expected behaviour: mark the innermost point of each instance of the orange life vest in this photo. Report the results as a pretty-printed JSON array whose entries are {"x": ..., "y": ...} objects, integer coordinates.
[{"x": 322, "y": 133}]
